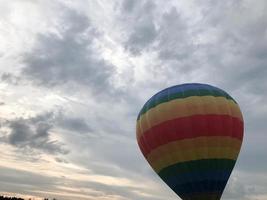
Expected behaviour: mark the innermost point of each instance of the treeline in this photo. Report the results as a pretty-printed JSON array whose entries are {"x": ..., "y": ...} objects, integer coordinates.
[
  {"x": 10, "y": 198},
  {"x": 16, "y": 198}
]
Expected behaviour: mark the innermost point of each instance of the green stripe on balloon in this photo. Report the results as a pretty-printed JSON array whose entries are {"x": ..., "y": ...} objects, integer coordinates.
[{"x": 197, "y": 165}]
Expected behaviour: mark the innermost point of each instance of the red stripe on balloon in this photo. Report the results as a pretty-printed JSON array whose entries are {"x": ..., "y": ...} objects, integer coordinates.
[{"x": 190, "y": 127}]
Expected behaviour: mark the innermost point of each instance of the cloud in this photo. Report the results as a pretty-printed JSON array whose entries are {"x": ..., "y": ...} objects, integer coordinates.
[
  {"x": 10, "y": 78},
  {"x": 69, "y": 57},
  {"x": 24, "y": 177},
  {"x": 128, "y": 5},
  {"x": 37, "y": 132},
  {"x": 166, "y": 33},
  {"x": 75, "y": 124},
  {"x": 25, "y": 183},
  {"x": 32, "y": 183},
  {"x": 174, "y": 40},
  {"x": 236, "y": 190},
  {"x": 143, "y": 32},
  {"x": 61, "y": 160},
  {"x": 34, "y": 133}
]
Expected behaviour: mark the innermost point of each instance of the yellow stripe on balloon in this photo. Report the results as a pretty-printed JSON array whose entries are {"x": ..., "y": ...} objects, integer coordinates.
[
  {"x": 182, "y": 145},
  {"x": 189, "y": 106},
  {"x": 197, "y": 153}
]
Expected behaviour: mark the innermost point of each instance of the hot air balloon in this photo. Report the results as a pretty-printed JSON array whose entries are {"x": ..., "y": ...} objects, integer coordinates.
[{"x": 191, "y": 135}]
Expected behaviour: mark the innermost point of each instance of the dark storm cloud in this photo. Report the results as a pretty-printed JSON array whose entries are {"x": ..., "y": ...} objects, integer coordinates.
[
  {"x": 143, "y": 34},
  {"x": 10, "y": 78},
  {"x": 237, "y": 46},
  {"x": 235, "y": 53},
  {"x": 61, "y": 160},
  {"x": 128, "y": 5},
  {"x": 143, "y": 30},
  {"x": 70, "y": 57},
  {"x": 250, "y": 70},
  {"x": 171, "y": 39},
  {"x": 34, "y": 133},
  {"x": 73, "y": 124},
  {"x": 174, "y": 39},
  {"x": 20, "y": 132}
]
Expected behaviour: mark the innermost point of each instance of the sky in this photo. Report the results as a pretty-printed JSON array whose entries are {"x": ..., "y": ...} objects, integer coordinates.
[{"x": 74, "y": 75}]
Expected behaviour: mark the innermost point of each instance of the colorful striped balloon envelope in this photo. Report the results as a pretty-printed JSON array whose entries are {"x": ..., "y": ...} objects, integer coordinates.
[{"x": 191, "y": 135}]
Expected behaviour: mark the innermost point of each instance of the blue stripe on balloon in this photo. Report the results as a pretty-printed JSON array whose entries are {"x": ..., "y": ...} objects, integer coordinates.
[
  {"x": 198, "y": 188},
  {"x": 217, "y": 175},
  {"x": 184, "y": 87}
]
